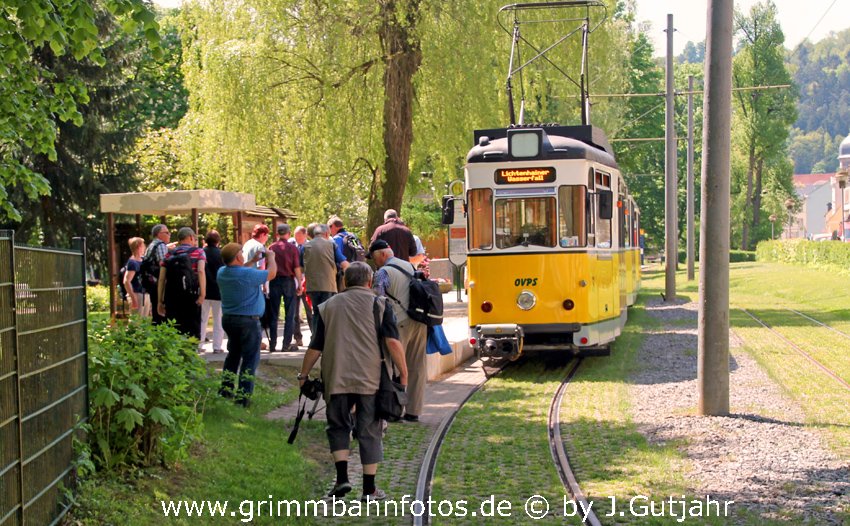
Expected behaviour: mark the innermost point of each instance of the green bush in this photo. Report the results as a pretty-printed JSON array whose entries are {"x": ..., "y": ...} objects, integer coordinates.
[
  {"x": 802, "y": 252},
  {"x": 738, "y": 256},
  {"x": 735, "y": 256},
  {"x": 147, "y": 388},
  {"x": 97, "y": 298}
]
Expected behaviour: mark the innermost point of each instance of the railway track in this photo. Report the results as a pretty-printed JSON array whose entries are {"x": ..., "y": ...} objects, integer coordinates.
[
  {"x": 798, "y": 349},
  {"x": 559, "y": 454},
  {"x": 556, "y": 446},
  {"x": 429, "y": 462},
  {"x": 822, "y": 324}
]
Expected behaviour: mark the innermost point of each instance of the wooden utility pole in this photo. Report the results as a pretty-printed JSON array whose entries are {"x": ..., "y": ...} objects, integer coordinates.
[
  {"x": 691, "y": 178},
  {"x": 713, "y": 339},
  {"x": 671, "y": 212}
]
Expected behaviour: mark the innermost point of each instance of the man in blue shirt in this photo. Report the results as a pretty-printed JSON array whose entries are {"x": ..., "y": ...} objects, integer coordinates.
[{"x": 242, "y": 305}]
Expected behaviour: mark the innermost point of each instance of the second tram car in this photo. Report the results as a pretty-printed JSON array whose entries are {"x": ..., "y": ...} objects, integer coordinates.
[{"x": 552, "y": 257}]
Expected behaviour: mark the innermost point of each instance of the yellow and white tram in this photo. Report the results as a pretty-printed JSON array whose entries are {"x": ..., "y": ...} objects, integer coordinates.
[{"x": 552, "y": 254}]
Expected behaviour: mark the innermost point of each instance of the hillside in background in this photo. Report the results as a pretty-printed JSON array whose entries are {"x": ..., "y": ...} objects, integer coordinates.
[{"x": 822, "y": 73}]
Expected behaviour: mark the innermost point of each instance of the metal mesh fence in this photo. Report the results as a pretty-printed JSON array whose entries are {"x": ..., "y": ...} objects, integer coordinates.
[{"x": 43, "y": 377}]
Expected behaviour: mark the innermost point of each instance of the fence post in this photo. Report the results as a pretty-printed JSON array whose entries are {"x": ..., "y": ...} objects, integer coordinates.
[
  {"x": 15, "y": 352},
  {"x": 79, "y": 243}
]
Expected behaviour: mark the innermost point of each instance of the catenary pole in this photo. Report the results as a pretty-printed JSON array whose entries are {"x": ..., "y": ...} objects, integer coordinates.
[
  {"x": 691, "y": 202},
  {"x": 713, "y": 339},
  {"x": 670, "y": 204}
]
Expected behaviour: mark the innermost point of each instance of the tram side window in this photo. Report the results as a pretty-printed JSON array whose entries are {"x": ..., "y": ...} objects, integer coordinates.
[
  {"x": 625, "y": 226},
  {"x": 480, "y": 210},
  {"x": 571, "y": 217},
  {"x": 525, "y": 221},
  {"x": 603, "y": 229}
]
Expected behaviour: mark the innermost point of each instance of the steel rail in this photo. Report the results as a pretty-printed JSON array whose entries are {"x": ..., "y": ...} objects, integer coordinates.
[
  {"x": 429, "y": 462},
  {"x": 798, "y": 349},
  {"x": 822, "y": 324},
  {"x": 559, "y": 454}
]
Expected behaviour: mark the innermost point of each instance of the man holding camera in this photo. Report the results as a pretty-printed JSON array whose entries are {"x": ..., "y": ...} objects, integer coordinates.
[
  {"x": 346, "y": 338},
  {"x": 242, "y": 305}
]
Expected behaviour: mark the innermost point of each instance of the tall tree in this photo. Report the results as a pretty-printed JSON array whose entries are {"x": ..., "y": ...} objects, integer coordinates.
[
  {"x": 89, "y": 153},
  {"x": 762, "y": 117},
  {"x": 644, "y": 118},
  {"x": 402, "y": 56},
  {"x": 822, "y": 71},
  {"x": 32, "y": 99}
]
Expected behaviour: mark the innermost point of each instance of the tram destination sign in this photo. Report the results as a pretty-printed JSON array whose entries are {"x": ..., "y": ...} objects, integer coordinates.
[{"x": 525, "y": 175}]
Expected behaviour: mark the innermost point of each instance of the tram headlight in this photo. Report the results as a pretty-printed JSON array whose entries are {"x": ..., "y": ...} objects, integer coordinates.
[
  {"x": 526, "y": 300},
  {"x": 569, "y": 304}
]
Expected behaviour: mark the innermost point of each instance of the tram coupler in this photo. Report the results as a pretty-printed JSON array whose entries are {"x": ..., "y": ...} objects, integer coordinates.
[{"x": 501, "y": 341}]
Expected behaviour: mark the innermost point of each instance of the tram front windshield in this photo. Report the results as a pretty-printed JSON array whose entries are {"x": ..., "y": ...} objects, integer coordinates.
[{"x": 525, "y": 222}]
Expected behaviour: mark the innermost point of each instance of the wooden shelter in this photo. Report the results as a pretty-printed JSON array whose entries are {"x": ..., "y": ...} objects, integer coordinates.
[
  {"x": 246, "y": 220},
  {"x": 162, "y": 204}
]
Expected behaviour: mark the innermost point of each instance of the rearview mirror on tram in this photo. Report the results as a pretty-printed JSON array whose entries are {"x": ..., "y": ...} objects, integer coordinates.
[
  {"x": 448, "y": 210},
  {"x": 606, "y": 204}
]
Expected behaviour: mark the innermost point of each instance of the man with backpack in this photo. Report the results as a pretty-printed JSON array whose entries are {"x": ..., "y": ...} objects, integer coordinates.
[
  {"x": 349, "y": 244},
  {"x": 150, "y": 265},
  {"x": 393, "y": 281},
  {"x": 182, "y": 284}
]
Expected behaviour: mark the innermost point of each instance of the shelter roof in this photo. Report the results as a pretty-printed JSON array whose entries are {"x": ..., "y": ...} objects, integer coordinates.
[
  {"x": 271, "y": 211},
  {"x": 177, "y": 203}
]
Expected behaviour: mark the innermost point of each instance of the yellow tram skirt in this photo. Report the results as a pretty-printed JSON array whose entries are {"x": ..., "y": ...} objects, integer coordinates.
[{"x": 584, "y": 293}]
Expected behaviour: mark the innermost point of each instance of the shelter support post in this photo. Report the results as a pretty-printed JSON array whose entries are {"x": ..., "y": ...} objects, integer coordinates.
[
  {"x": 112, "y": 264},
  {"x": 195, "y": 226}
]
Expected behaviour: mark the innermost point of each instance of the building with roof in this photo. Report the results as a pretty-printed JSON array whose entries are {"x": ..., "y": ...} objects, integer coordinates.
[
  {"x": 835, "y": 221},
  {"x": 815, "y": 193}
]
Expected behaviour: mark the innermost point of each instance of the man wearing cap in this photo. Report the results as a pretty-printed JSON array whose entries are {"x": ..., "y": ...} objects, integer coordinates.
[
  {"x": 392, "y": 280},
  {"x": 283, "y": 286},
  {"x": 242, "y": 304}
]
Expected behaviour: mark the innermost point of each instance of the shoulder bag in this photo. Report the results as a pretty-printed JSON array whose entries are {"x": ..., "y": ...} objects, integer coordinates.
[{"x": 391, "y": 396}]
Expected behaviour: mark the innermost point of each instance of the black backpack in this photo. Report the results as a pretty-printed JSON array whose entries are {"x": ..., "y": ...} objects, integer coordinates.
[
  {"x": 426, "y": 300},
  {"x": 181, "y": 282},
  {"x": 149, "y": 269},
  {"x": 352, "y": 248}
]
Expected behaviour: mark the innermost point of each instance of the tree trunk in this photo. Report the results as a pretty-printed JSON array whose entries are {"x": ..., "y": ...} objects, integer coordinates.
[
  {"x": 402, "y": 56},
  {"x": 757, "y": 195},
  {"x": 745, "y": 229}
]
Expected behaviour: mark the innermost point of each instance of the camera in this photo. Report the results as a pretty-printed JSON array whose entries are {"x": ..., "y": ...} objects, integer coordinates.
[{"x": 313, "y": 389}]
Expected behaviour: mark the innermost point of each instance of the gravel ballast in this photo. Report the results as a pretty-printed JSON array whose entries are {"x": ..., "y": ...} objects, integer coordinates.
[{"x": 762, "y": 456}]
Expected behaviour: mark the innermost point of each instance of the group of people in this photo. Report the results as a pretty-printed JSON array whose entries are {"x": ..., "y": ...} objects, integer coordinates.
[{"x": 322, "y": 267}]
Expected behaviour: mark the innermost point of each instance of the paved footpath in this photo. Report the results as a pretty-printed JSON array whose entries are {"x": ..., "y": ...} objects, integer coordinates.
[{"x": 442, "y": 396}]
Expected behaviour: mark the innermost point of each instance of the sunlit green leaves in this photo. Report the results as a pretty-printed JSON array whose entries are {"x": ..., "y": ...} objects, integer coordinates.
[
  {"x": 30, "y": 99},
  {"x": 286, "y": 98}
]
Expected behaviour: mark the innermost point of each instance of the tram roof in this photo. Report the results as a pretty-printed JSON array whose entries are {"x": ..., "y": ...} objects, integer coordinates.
[{"x": 559, "y": 142}]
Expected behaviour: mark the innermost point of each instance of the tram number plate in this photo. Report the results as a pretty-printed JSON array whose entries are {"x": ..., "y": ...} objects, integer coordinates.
[{"x": 525, "y": 175}]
